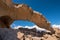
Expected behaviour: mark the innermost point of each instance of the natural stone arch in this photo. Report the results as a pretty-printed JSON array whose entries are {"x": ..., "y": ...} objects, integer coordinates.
[{"x": 22, "y": 12}]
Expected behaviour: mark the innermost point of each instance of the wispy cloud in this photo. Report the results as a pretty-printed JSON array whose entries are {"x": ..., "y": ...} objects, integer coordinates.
[{"x": 56, "y": 26}]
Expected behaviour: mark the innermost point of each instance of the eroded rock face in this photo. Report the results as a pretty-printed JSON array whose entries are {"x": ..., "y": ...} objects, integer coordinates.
[
  {"x": 8, "y": 34},
  {"x": 23, "y": 34},
  {"x": 21, "y": 12},
  {"x": 20, "y": 35}
]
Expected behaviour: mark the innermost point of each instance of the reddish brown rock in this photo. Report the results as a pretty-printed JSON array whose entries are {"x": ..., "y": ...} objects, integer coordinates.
[
  {"x": 57, "y": 32},
  {"x": 10, "y": 12}
]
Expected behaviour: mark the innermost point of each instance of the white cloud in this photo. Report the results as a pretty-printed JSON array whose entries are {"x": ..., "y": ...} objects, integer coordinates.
[
  {"x": 56, "y": 26},
  {"x": 17, "y": 27},
  {"x": 31, "y": 27}
]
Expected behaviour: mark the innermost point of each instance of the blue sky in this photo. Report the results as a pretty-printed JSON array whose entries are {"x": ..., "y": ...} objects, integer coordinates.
[{"x": 49, "y": 8}]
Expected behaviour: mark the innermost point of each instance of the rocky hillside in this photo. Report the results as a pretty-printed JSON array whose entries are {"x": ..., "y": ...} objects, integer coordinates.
[{"x": 28, "y": 34}]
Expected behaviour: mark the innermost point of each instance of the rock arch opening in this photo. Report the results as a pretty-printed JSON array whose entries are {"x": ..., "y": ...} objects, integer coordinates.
[{"x": 22, "y": 23}]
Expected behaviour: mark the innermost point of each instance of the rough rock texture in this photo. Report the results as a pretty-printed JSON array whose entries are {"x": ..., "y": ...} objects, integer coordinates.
[
  {"x": 10, "y": 12},
  {"x": 26, "y": 34},
  {"x": 8, "y": 34}
]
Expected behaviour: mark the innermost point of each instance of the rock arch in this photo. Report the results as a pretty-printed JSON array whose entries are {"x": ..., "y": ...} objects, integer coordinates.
[{"x": 10, "y": 12}]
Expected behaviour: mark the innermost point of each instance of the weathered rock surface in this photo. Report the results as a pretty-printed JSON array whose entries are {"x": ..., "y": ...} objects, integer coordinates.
[
  {"x": 27, "y": 34},
  {"x": 10, "y": 12},
  {"x": 8, "y": 34}
]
